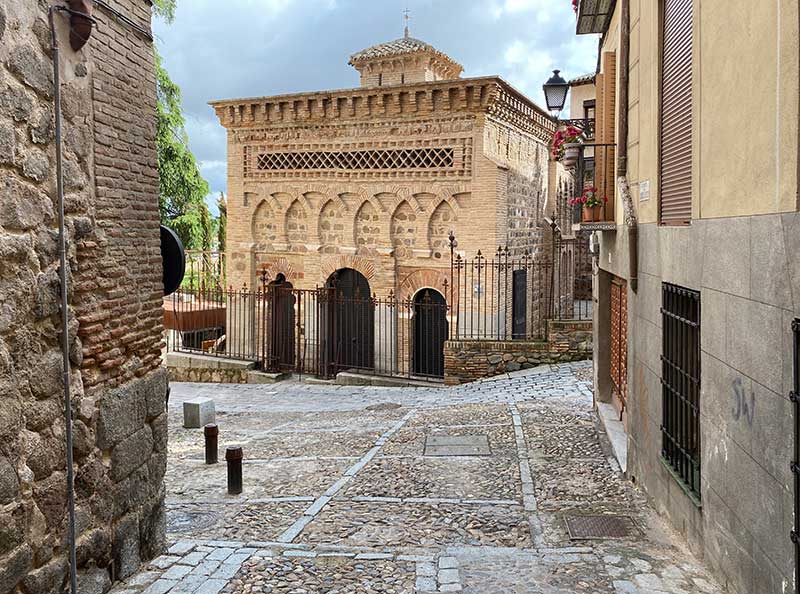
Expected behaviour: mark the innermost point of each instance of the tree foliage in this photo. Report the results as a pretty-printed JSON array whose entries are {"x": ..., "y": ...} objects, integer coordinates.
[
  {"x": 165, "y": 9},
  {"x": 182, "y": 190},
  {"x": 222, "y": 222}
]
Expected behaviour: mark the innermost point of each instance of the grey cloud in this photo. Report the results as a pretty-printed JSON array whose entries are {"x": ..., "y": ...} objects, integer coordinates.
[{"x": 243, "y": 48}]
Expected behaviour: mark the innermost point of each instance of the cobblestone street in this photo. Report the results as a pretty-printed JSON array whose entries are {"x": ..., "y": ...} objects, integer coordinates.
[{"x": 366, "y": 490}]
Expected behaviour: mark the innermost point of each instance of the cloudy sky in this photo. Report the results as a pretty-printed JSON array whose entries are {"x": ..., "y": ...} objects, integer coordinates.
[{"x": 245, "y": 48}]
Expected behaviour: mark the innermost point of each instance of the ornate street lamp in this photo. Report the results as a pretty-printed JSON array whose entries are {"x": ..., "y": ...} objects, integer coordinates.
[{"x": 555, "y": 92}]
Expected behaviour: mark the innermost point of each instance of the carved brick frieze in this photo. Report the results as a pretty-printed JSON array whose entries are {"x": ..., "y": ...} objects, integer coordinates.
[{"x": 357, "y": 131}]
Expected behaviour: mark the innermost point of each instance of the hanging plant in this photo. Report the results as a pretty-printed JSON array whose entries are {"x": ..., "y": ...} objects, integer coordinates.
[
  {"x": 563, "y": 137},
  {"x": 575, "y": 6}
]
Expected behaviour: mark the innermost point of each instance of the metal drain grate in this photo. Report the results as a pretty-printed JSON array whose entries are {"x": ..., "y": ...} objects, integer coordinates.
[
  {"x": 600, "y": 527},
  {"x": 457, "y": 445},
  {"x": 183, "y": 521}
]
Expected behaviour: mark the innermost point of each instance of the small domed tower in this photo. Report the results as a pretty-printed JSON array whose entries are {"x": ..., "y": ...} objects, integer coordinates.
[{"x": 403, "y": 61}]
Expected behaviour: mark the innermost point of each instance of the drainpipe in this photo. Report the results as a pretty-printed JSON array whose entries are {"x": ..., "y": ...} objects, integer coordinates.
[
  {"x": 80, "y": 28},
  {"x": 622, "y": 145}
]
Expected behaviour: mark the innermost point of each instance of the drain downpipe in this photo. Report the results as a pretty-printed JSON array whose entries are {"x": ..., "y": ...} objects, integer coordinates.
[
  {"x": 622, "y": 146},
  {"x": 75, "y": 17}
]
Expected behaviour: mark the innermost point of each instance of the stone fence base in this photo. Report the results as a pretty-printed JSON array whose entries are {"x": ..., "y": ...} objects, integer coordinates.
[
  {"x": 469, "y": 360},
  {"x": 190, "y": 367}
]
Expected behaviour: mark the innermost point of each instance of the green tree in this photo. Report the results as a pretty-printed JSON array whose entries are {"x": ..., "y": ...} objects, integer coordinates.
[
  {"x": 182, "y": 190},
  {"x": 222, "y": 221},
  {"x": 165, "y": 9}
]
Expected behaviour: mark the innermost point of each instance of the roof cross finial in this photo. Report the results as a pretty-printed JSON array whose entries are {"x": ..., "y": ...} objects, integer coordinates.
[{"x": 406, "y": 18}]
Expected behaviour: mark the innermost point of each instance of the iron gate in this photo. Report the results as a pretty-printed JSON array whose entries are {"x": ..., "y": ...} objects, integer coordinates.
[{"x": 335, "y": 329}]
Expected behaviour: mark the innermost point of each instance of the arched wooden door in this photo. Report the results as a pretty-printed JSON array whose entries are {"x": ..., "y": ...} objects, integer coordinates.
[
  {"x": 430, "y": 333},
  {"x": 283, "y": 324},
  {"x": 351, "y": 325}
]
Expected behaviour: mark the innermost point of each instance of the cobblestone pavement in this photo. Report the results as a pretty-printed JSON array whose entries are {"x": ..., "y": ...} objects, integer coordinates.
[{"x": 344, "y": 493}]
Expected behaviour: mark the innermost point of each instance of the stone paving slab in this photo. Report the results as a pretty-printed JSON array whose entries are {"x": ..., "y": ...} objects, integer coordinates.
[
  {"x": 469, "y": 414},
  {"x": 411, "y": 440},
  {"x": 270, "y": 478},
  {"x": 340, "y": 497},
  {"x": 293, "y": 574},
  {"x": 419, "y": 525},
  {"x": 454, "y": 477},
  {"x": 229, "y": 521}
]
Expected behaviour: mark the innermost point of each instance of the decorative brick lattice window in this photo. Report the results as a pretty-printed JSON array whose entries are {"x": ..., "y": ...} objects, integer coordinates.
[{"x": 420, "y": 158}]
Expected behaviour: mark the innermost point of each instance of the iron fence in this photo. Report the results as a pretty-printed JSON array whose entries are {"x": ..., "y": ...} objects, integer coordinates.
[
  {"x": 205, "y": 270},
  {"x": 341, "y": 327},
  {"x": 509, "y": 297},
  {"x": 317, "y": 331}
]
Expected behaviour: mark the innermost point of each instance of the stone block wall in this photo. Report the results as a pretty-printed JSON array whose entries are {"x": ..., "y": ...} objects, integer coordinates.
[
  {"x": 114, "y": 267},
  {"x": 747, "y": 273},
  {"x": 469, "y": 360},
  {"x": 185, "y": 367}
]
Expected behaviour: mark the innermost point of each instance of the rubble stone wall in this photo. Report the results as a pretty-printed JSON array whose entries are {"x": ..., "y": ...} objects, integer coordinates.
[
  {"x": 469, "y": 360},
  {"x": 114, "y": 268}
]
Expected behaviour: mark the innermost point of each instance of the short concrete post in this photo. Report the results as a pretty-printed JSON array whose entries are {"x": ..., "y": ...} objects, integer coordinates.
[
  {"x": 211, "y": 433},
  {"x": 198, "y": 412},
  {"x": 233, "y": 456}
]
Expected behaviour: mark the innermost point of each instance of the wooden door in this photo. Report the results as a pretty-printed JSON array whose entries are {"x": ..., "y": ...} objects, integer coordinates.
[{"x": 619, "y": 344}]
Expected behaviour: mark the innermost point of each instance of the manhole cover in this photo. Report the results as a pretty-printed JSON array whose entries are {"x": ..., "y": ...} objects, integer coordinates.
[
  {"x": 601, "y": 526},
  {"x": 183, "y": 521},
  {"x": 384, "y": 406},
  {"x": 457, "y": 445}
]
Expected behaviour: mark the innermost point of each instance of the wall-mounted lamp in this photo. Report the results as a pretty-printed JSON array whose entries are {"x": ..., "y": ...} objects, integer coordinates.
[{"x": 555, "y": 92}]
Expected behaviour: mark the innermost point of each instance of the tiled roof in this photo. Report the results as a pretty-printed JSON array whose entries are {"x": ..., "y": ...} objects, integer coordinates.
[
  {"x": 583, "y": 79},
  {"x": 404, "y": 45}
]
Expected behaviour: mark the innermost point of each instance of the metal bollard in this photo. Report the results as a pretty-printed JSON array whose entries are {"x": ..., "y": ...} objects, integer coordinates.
[
  {"x": 233, "y": 456},
  {"x": 211, "y": 433}
]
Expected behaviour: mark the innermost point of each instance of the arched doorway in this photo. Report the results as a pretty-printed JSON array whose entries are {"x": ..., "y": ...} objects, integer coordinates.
[
  {"x": 282, "y": 338},
  {"x": 430, "y": 333},
  {"x": 351, "y": 324}
]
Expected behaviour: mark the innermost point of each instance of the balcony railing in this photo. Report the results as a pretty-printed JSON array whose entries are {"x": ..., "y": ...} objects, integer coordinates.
[
  {"x": 595, "y": 168},
  {"x": 586, "y": 125}
]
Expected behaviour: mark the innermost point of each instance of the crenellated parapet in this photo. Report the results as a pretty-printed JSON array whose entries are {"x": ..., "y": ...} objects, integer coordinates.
[{"x": 486, "y": 95}]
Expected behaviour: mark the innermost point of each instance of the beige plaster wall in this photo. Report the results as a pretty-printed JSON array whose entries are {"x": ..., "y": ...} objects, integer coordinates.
[
  {"x": 577, "y": 95},
  {"x": 745, "y": 107}
]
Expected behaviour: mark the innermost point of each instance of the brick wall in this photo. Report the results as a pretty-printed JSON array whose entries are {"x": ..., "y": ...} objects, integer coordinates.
[
  {"x": 115, "y": 307},
  {"x": 469, "y": 360}
]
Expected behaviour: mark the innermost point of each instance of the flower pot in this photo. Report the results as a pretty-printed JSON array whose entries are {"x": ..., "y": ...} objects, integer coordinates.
[
  {"x": 571, "y": 154},
  {"x": 592, "y": 214}
]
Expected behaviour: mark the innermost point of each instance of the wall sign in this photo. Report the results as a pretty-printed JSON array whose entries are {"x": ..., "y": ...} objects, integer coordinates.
[{"x": 644, "y": 190}]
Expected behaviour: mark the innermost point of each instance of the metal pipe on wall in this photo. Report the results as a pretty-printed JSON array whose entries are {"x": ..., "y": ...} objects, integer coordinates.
[
  {"x": 62, "y": 251},
  {"x": 622, "y": 145}
]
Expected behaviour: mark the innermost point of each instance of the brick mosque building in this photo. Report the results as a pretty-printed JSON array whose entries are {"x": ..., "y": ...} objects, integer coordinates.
[
  {"x": 365, "y": 185},
  {"x": 375, "y": 178}
]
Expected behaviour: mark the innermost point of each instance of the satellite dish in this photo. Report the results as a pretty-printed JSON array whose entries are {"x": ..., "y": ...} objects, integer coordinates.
[{"x": 174, "y": 260}]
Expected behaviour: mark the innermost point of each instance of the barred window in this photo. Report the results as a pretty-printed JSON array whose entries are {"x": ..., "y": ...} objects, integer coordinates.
[
  {"x": 680, "y": 381},
  {"x": 421, "y": 158}
]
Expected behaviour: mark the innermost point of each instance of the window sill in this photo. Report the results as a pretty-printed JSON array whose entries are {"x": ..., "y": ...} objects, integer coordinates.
[
  {"x": 599, "y": 226},
  {"x": 692, "y": 496}
]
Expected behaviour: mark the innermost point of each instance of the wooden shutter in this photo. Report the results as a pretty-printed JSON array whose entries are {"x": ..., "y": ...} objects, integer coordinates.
[
  {"x": 676, "y": 114},
  {"x": 605, "y": 177}
]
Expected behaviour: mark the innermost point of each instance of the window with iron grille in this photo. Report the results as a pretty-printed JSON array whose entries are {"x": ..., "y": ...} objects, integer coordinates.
[
  {"x": 419, "y": 158},
  {"x": 680, "y": 383}
]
